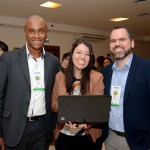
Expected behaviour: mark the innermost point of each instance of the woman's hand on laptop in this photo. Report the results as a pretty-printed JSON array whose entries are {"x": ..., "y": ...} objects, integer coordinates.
[
  {"x": 74, "y": 128},
  {"x": 75, "y": 125}
]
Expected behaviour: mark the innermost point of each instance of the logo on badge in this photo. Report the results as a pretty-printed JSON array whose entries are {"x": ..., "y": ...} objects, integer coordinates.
[
  {"x": 37, "y": 78},
  {"x": 115, "y": 93}
]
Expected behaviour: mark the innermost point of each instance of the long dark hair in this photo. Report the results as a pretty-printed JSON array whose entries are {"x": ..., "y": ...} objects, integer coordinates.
[{"x": 69, "y": 74}]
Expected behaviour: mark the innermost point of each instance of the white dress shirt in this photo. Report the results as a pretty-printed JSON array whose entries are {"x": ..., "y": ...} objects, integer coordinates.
[{"x": 36, "y": 71}]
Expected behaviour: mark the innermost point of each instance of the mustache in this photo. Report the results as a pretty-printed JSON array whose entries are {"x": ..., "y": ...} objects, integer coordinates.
[{"x": 117, "y": 47}]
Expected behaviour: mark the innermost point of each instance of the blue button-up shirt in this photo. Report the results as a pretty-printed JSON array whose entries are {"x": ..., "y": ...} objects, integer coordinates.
[{"x": 119, "y": 78}]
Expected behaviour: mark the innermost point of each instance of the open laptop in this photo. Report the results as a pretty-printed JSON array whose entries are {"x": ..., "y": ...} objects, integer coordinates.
[{"x": 91, "y": 109}]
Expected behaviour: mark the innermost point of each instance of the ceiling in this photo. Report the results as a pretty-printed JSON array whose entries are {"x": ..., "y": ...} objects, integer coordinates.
[{"x": 94, "y": 14}]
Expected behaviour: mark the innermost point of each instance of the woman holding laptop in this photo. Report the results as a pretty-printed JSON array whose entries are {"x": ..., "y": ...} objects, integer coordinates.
[{"x": 79, "y": 79}]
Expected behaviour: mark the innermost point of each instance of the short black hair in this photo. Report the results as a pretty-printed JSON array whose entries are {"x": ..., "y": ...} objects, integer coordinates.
[
  {"x": 130, "y": 34},
  {"x": 65, "y": 55},
  {"x": 100, "y": 60},
  {"x": 3, "y": 46}
]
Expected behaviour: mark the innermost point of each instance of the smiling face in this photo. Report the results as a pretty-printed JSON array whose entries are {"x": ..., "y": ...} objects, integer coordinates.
[
  {"x": 120, "y": 43},
  {"x": 36, "y": 33},
  {"x": 81, "y": 57}
]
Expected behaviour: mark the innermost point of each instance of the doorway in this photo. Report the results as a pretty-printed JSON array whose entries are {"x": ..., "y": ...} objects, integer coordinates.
[{"x": 54, "y": 50}]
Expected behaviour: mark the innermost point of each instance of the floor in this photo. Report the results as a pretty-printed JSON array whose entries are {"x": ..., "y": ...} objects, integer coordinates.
[{"x": 53, "y": 148}]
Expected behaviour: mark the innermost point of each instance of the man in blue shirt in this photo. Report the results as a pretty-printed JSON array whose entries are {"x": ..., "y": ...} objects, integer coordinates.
[{"x": 127, "y": 80}]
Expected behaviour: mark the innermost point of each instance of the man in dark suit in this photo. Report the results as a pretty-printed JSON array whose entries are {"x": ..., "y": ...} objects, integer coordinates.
[
  {"x": 128, "y": 82},
  {"x": 26, "y": 83}
]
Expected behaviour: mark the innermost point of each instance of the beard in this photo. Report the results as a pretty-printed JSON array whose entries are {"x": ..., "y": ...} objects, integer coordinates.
[{"x": 121, "y": 55}]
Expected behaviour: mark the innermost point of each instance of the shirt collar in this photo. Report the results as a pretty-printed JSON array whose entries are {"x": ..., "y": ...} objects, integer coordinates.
[
  {"x": 127, "y": 64},
  {"x": 29, "y": 55}
]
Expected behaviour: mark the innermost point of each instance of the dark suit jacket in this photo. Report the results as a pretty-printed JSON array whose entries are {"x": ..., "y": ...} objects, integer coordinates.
[
  {"x": 15, "y": 93},
  {"x": 136, "y": 105}
]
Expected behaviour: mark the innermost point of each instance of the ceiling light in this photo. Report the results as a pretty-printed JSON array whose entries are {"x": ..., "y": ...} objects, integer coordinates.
[
  {"x": 119, "y": 19},
  {"x": 51, "y": 5}
]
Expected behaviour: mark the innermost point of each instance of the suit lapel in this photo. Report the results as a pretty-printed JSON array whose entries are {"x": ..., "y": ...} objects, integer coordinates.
[
  {"x": 47, "y": 67},
  {"x": 130, "y": 77},
  {"x": 109, "y": 80},
  {"x": 24, "y": 63}
]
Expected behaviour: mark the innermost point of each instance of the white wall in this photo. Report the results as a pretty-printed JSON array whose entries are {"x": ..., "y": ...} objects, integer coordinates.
[{"x": 15, "y": 37}]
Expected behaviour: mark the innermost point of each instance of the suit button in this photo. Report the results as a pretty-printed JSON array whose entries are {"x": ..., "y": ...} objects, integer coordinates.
[
  {"x": 25, "y": 116},
  {"x": 27, "y": 102}
]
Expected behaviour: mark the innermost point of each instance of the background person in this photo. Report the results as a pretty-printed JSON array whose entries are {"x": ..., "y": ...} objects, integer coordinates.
[
  {"x": 99, "y": 61},
  {"x": 128, "y": 82},
  {"x": 79, "y": 79},
  {"x": 107, "y": 61},
  {"x": 65, "y": 60},
  {"x": 26, "y": 83}
]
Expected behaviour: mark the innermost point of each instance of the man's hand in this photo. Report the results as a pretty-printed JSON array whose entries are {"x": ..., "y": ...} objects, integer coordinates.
[{"x": 2, "y": 145}]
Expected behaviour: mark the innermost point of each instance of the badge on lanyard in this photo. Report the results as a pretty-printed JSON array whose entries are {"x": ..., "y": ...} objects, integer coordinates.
[
  {"x": 116, "y": 90},
  {"x": 38, "y": 82}
]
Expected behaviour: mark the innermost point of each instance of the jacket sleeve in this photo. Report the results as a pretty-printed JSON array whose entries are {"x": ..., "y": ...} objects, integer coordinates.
[
  {"x": 3, "y": 83},
  {"x": 58, "y": 89},
  {"x": 55, "y": 95},
  {"x": 96, "y": 84}
]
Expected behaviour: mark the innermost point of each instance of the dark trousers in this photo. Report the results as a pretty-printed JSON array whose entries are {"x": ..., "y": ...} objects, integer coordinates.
[
  {"x": 65, "y": 142},
  {"x": 34, "y": 137}
]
